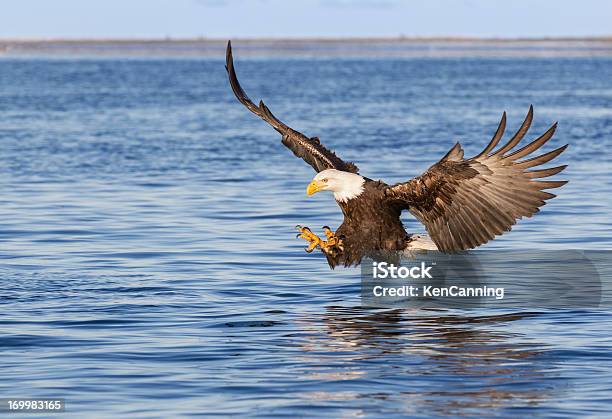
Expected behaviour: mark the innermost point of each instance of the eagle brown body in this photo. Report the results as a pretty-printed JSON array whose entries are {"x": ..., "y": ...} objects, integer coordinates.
[
  {"x": 463, "y": 203},
  {"x": 370, "y": 225}
]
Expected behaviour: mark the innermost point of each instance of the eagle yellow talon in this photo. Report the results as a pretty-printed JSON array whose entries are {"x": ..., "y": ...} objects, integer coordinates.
[
  {"x": 328, "y": 232},
  {"x": 332, "y": 242},
  {"x": 306, "y": 234}
]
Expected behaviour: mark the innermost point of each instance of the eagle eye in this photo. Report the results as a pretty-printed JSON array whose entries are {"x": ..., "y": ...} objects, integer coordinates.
[{"x": 325, "y": 180}]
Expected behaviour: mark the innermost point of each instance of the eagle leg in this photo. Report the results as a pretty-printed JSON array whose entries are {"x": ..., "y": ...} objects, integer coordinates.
[{"x": 332, "y": 245}]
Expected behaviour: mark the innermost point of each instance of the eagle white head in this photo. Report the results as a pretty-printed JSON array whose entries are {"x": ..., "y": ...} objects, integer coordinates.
[{"x": 344, "y": 185}]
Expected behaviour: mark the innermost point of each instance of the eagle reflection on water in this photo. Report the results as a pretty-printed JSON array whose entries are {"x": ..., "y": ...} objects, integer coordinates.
[{"x": 474, "y": 365}]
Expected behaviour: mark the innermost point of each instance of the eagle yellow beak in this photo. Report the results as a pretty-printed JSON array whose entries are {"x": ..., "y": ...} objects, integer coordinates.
[{"x": 314, "y": 187}]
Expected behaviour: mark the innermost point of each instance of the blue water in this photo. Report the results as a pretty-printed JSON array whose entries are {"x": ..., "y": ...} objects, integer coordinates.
[{"x": 148, "y": 265}]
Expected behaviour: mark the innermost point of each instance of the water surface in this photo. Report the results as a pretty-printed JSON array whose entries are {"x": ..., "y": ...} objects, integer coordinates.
[{"x": 148, "y": 264}]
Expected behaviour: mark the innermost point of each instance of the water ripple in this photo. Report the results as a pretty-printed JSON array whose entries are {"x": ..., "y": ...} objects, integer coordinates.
[{"x": 149, "y": 261}]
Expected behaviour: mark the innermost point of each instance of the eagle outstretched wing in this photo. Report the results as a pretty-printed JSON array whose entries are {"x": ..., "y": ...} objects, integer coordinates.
[
  {"x": 465, "y": 203},
  {"x": 309, "y": 149}
]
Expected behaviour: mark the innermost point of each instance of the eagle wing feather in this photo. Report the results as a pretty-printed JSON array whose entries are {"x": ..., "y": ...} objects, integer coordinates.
[
  {"x": 466, "y": 203},
  {"x": 309, "y": 149}
]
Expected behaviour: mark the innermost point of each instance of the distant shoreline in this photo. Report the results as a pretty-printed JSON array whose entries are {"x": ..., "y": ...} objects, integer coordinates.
[
  {"x": 315, "y": 47},
  {"x": 306, "y": 39}
]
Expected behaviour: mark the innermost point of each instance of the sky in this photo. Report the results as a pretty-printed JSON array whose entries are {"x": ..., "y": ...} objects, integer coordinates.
[{"x": 307, "y": 18}]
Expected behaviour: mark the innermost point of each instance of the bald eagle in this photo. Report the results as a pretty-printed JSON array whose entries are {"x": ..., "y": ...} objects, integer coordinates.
[{"x": 463, "y": 203}]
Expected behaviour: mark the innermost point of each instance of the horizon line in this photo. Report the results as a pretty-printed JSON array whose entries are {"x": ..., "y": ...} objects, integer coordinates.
[{"x": 348, "y": 39}]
